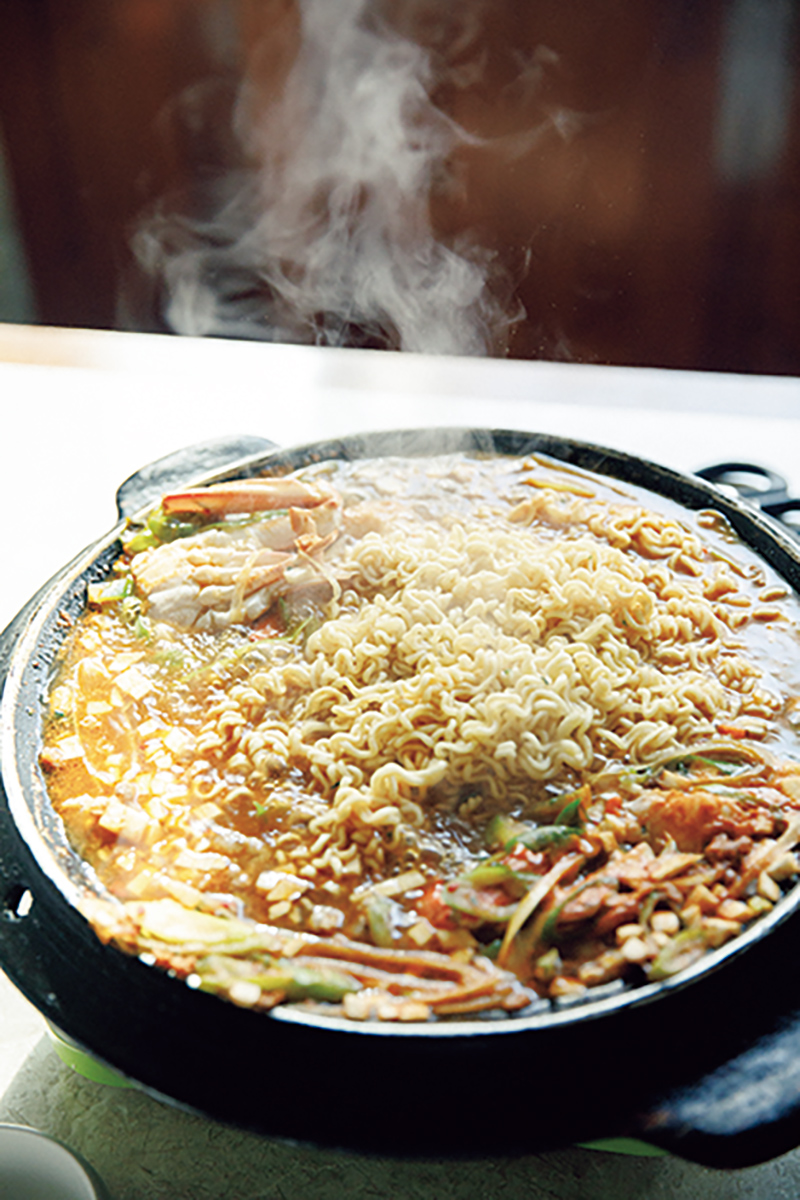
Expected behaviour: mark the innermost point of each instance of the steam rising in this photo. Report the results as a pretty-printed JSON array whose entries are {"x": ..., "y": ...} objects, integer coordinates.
[{"x": 328, "y": 238}]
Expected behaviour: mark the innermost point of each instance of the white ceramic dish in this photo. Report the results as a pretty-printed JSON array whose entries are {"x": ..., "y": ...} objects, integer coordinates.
[{"x": 34, "y": 1166}]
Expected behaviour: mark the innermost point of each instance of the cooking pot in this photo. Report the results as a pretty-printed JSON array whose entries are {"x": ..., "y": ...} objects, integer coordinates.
[{"x": 706, "y": 1064}]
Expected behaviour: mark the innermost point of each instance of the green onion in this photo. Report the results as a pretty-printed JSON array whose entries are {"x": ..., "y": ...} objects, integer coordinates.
[
  {"x": 318, "y": 983},
  {"x": 143, "y": 539},
  {"x": 167, "y": 528},
  {"x": 572, "y": 814},
  {"x": 469, "y": 901},
  {"x": 722, "y": 765},
  {"x": 502, "y": 831},
  {"x": 164, "y": 527},
  {"x": 382, "y": 916},
  {"x": 544, "y": 836},
  {"x": 505, "y": 834},
  {"x": 219, "y": 972},
  {"x": 249, "y": 519},
  {"x": 109, "y": 591},
  {"x": 491, "y": 873}
]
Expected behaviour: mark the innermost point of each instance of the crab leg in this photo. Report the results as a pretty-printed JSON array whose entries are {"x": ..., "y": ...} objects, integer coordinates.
[{"x": 246, "y": 496}]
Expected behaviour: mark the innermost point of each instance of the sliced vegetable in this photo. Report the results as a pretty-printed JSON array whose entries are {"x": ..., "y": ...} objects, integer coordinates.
[
  {"x": 295, "y": 981},
  {"x": 502, "y": 833},
  {"x": 562, "y": 808},
  {"x": 171, "y": 922},
  {"x": 680, "y": 952},
  {"x": 245, "y": 519},
  {"x": 548, "y": 965},
  {"x": 535, "y": 896},
  {"x": 548, "y": 931},
  {"x": 297, "y": 627},
  {"x": 721, "y": 765},
  {"x": 492, "y": 873},
  {"x": 544, "y": 836},
  {"x": 573, "y": 814},
  {"x": 142, "y": 539},
  {"x": 482, "y": 904},
  {"x": 382, "y": 914},
  {"x": 219, "y": 972},
  {"x": 166, "y": 528},
  {"x": 405, "y": 882},
  {"x": 130, "y": 610},
  {"x": 109, "y": 591},
  {"x": 318, "y": 983}
]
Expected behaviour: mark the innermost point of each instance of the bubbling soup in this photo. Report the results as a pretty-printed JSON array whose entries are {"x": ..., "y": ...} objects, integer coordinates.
[{"x": 403, "y": 739}]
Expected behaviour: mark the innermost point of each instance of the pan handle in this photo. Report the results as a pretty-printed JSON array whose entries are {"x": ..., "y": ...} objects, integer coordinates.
[
  {"x": 150, "y": 482},
  {"x": 142, "y": 488},
  {"x": 751, "y": 481},
  {"x": 746, "y": 1112}
]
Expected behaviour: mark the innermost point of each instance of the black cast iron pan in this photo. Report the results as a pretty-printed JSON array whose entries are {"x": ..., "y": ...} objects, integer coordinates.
[{"x": 706, "y": 1065}]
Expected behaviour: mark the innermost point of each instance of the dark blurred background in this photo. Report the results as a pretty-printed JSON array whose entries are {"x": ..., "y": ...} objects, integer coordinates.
[{"x": 634, "y": 164}]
